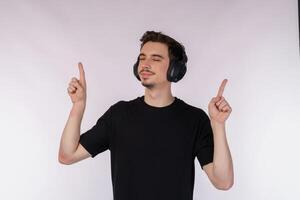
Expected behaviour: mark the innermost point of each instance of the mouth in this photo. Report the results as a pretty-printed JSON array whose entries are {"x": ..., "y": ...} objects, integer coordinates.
[{"x": 146, "y": 74}]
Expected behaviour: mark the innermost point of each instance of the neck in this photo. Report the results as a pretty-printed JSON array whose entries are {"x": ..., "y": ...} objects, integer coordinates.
[{"x": 159, "y": 98}]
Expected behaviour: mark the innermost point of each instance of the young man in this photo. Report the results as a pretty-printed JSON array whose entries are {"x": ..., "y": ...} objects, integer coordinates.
[{"x": 155, "y": 138}]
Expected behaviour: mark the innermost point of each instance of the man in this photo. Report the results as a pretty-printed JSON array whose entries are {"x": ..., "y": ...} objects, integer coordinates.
[{"x": 153, "y": 139}]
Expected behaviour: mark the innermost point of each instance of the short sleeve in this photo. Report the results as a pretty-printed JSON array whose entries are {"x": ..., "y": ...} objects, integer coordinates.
[
  {"x": 96, "y": 139},
  {"x": 205, "y": 141}
]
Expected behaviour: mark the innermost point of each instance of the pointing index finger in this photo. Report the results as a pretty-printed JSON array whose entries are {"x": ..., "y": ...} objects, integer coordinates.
[
  {"x": 81, "y": 72},
  {"x": 221, "y": 88}
]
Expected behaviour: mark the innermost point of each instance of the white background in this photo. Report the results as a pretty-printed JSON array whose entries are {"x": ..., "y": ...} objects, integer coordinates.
[{"x": 252, "y": 43}]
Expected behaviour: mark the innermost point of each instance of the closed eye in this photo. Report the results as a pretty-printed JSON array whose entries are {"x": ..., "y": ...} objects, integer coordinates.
[{"x": 152, "y": 59}]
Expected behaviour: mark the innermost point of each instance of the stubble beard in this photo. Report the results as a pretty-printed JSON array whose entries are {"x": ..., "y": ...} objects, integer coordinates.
[{"x": 148, "y": 85}]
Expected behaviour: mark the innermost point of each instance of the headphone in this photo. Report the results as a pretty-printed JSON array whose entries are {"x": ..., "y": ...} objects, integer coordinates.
[{"x": 176, "y": 70}]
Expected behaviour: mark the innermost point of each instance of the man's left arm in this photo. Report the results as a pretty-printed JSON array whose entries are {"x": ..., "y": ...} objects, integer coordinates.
[{"x": 220, "y": 171}]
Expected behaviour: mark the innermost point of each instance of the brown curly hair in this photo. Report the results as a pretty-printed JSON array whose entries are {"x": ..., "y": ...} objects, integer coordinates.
[{"x": 176, "y": 49}]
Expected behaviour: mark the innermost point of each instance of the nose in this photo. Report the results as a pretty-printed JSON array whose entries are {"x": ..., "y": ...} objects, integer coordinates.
[
  {"x": 145, "y": 64},
  {"x": 146, "y": 67}
]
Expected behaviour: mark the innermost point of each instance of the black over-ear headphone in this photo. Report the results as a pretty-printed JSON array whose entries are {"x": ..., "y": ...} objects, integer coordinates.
[{"x": 176, "y": 70}]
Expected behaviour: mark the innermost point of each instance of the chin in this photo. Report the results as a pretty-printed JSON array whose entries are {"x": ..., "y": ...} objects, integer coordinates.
[{"x": 148, "y": 85}]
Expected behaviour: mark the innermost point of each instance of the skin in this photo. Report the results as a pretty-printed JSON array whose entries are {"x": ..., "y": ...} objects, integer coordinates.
[
  {"x": 220, "y": 171},
  {"x": 154, "y": 59}
]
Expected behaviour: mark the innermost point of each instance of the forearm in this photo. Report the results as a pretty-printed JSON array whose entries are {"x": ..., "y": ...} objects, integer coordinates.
[
  {"x": 71, "y": 133},
  {"x": 222, "y": 165}
]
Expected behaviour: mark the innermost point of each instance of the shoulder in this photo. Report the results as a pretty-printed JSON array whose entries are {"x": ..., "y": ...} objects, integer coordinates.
[
  {"x": 123, "y": 105},
  {"x": 194, "y": 110}
]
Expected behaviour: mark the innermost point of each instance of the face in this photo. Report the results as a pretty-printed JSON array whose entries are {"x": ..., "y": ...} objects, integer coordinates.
[{"x": 153, "y": 65}]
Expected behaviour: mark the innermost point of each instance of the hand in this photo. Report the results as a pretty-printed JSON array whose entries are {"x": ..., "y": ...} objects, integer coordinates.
[
  {"x": 218, "y": 108},
  {"x": 77, "y": 88}
]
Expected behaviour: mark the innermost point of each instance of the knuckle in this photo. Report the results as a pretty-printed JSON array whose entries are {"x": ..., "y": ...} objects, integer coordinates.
[{"x": 76, "y": 84}]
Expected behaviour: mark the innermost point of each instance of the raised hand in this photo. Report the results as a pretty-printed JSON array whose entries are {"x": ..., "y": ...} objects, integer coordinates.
[
  {"x": 218, "y": 108},
  {"x": 77, "y": 88}
]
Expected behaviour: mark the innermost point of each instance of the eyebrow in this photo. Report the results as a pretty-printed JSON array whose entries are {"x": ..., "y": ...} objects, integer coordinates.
[{"x": 152, "y": 55}]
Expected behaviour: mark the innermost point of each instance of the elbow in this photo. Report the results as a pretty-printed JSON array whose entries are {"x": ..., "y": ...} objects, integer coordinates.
[
  {"x": 224, "y": 182},
  {"x": 225, "y": 185},
  {"x": 62, "y": 159}
]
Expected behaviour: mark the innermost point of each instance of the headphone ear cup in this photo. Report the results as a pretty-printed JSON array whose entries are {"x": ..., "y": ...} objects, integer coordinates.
[
  {"x": 135, "y": 69},
  {"x": 176, "y": 71}
]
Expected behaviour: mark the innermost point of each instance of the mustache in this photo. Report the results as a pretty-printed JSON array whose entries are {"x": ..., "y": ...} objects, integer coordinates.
[{"x": 146, "y": 71}]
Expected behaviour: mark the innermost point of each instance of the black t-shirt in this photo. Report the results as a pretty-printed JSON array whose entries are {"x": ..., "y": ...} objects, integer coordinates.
[{"x": 152, "y": 148}]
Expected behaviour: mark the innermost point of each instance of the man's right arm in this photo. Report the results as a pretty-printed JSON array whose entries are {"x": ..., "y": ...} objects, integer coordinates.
[{"x": 70, "y": 150}]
